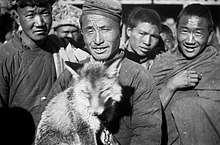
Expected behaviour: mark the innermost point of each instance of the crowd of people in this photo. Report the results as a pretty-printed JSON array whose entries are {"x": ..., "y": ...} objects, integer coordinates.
[{"x": 170, "y": 80}]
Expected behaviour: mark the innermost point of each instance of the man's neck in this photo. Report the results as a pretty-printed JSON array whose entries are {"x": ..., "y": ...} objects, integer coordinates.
[
  {"x": 135, "y": 56},
  {"x": 29, "y": 42}
]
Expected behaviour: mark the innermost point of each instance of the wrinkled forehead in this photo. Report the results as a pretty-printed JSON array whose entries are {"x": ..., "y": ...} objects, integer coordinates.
[
  {"x": 95, "y": 20},
  {"x": 193, "y": 21}
]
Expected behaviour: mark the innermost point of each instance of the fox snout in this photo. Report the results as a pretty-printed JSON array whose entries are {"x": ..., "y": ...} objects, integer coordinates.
[{"x": 96, "y": 111}]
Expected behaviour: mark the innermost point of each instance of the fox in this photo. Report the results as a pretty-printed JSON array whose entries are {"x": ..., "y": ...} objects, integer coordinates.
[{"x": 78, "y": 114}]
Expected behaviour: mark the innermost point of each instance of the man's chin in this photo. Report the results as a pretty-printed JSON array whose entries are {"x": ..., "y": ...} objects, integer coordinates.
[
  {"x": 40, "y": 38},
  {"x": 100, "y": 57}
]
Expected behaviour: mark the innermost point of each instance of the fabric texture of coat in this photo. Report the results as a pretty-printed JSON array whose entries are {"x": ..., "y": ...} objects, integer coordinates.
[
  {"x": 27, "y": 75},
  {"x": 193, "y": 114}
]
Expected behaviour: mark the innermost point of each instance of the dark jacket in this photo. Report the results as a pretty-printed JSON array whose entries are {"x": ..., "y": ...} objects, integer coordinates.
[{"x": 26, "y": 75}]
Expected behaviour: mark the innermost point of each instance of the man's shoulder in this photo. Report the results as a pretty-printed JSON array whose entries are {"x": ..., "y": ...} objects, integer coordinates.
[
  {"x": 165, "y": 59},
  {"x": 7, "y": 49},
  {"x": 130, "y": 68}
]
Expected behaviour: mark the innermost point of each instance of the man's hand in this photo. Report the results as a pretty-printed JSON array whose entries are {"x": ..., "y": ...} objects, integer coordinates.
[{"x": 185, "y": 79}]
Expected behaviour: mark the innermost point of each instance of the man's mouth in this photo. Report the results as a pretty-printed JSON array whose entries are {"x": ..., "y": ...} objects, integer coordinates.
[
  {"x": 100, "y": 49},
  {"x": 189, "y": 48},
  {"x": 41, "y": 31},
  {"x": 144, "y": 49}
]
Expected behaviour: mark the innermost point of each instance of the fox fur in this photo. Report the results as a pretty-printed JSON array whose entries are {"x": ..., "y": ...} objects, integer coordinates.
[{"x": 71, "y": 117}]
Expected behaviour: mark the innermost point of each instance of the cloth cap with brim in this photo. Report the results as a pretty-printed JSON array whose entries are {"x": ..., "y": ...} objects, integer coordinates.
[
  {"x": 109, "y": 8},
  {"x": 65, "y": 14}
]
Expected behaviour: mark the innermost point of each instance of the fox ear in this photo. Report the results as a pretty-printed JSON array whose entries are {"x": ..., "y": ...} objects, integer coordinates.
[
  {"x": 73, "y": 68},
  {"x": 113, "y": 67}
]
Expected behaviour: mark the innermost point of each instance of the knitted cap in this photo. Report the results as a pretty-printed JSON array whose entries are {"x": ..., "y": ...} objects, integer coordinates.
[
  {"x": 65, "y": 14},
  {"x": 109, "y": 8}
]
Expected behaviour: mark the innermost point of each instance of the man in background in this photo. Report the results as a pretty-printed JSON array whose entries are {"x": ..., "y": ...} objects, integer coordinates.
[
  {"x": 66, "y": 26},
  {"x": 27, "y": 67},
  {"x": 66, "y": 23},
  {"x": 143, "y": 29}
]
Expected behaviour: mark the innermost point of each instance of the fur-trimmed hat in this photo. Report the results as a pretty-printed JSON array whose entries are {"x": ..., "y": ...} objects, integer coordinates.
[
  {"x": 65, "y": 14},
  {"x": 108, "y": 8}
]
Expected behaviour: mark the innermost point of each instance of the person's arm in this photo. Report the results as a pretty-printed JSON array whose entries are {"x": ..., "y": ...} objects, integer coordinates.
[
  {"x": 147, "y": 112},
  {"x": 185, "y": 79},
  {"x": 60, "y": 85},
  {"x": 4, "y": 84}
]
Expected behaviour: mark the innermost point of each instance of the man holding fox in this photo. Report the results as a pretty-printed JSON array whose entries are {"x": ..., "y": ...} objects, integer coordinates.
[{"x": 139, "y": 118}]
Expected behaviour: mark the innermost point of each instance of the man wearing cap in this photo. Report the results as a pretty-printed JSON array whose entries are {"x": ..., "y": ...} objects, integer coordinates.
[
  {"x": 140, "y": 111},
  {"x": 27, "y": 67}
]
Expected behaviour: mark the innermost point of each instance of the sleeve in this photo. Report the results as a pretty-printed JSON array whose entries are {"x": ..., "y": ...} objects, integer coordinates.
[
  {"x": 4, "y": 84},
  {"x": 146, "y": 118},
  {"x": 62, "y": 83}
]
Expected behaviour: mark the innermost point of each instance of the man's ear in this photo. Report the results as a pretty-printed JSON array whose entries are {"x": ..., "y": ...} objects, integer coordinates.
[
  {"x": 128, "y": 31},
  {"x": 16, "y": 17},
  {"x": 211, "y": 33}
]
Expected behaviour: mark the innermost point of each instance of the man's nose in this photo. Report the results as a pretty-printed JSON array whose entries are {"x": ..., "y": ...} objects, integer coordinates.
[
  {"x": 98, "y": 38},
  {"x": 147, "y": 40},
  {"x": 70, "y": 35},
  {"x": 190, "y": 38},
  {"x": 39, "y": 20}
]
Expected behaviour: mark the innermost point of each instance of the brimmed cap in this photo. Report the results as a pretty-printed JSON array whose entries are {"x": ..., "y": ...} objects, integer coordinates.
[
  {"x": 108, "y": 8},
  {"x": 65, "y": 14}
]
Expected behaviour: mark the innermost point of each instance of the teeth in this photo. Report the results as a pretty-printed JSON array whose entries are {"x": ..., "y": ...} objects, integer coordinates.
[{"x": 98, "y": 49}]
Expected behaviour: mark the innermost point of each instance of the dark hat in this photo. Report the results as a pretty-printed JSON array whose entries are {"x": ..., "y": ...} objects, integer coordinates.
[
  {"x": 14, "y": 3},
  {"x": 109, "y": 8}
]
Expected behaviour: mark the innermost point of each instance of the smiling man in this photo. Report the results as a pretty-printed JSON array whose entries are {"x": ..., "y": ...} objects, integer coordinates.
[
  {"x": 189, "y": 81},
  {"x": 138, "y": 120}
]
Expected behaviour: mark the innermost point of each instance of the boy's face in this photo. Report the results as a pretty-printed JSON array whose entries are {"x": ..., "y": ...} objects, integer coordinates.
[
  {"x": 169, "y": 41},
  {"x": 72, "y": 33},
  {"x": 67, "y": 31},
  {"x": 192, "y": 35},
  {"x": 35, "y": 21},
  {"x": 143, "y": 38},
  {"x": 101, "y": 35}
]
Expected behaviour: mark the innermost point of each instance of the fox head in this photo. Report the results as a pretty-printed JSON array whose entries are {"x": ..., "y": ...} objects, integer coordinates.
[{"x": 96, "y": 83}]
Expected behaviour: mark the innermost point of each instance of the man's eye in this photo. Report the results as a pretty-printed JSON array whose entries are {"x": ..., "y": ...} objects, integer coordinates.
[
  {"x": 183, "y": 31},
  {"x": 155, "y": 36},
  {"x": 198, "y": 33},
  {"x": 89, "y": 30},
  {"x": 46, "y": 14},
  {"x": 30, "y": 15},
  {"x": 142, "y": 34},
  {"x": 105, "y": 29}
]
